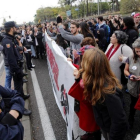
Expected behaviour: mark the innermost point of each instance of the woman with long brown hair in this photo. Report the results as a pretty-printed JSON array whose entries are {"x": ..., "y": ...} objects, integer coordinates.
[
  {"x": 103, "y": 91},
  {"x": 84, "y": 29}
]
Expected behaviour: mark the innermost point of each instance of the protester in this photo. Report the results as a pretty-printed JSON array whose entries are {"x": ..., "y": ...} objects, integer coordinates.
[
  {"x": 38, "y": 42},
  {"x": 84, "y": 29},
  {"x": 104, "y": 94},
  {"x": 88, "y": 41},
  {"x": 114, "y": 24},
  {"x": 130, "y": 30},
  {"x": 91, "y": 27},
  {"x": 95, "y": 24},
  {"x": 66, "y": 26},
  {"x": 29, "y": 39},
  {"x": 74, "y": 37},
  {"x": 28, "y": 51},
  {"x": 102, "y": 40},
  {"x": 62, "y": 44},
  {"x": 137, "y": 20},
  {"x": 83, "y": 108},
  {"x": 117, "y": 52},
  {"x": 102, "y": 25},
  {"x": 132, "y": 71}
]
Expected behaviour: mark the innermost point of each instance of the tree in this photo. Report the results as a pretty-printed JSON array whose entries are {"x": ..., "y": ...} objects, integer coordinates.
[
  {"x": 129, "y": 5},
  {"x": 61, "y": 2},
  {"x": 4, "y": 20},
  {"x": 50, "y": 13},
  {"x": 87, "y": 7},
  {"x": 117, "y": 4},
  {"x": 65, "y": 2}
]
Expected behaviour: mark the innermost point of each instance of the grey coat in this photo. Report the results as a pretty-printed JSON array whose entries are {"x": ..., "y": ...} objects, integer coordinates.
[{"x": 134, "y": 69}]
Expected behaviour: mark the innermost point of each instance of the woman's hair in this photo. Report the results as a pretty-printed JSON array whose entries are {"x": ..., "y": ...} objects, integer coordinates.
[
  {"x": 61, "y": 42},
  {"x": 117, "y": 22},
  {"x": 121, "y": 36},
  {"x": 129, "y": 23},
  {"x": 136, "y": 44},
  {"x": 66, "y": 26},
  {"x": 97, "y": 76},
  {"x": 88, "y": 41},
  {"x": 85, "y": 29}
]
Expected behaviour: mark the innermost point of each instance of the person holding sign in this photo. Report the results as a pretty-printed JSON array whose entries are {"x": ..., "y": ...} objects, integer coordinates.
[{"x": 103, "y": 91}]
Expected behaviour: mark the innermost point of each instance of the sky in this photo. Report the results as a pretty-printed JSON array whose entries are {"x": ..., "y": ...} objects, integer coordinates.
[{"x": 22, "y": 10}]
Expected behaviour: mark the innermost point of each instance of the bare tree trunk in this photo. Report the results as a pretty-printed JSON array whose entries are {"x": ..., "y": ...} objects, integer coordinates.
[
  {"x": 117, "y": 5},
  {"x": 87, "y": 7}
]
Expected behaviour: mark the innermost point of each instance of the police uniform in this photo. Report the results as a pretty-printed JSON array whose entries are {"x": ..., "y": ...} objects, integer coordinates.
[
  {"x": 12, "y": 58},
  {"x": 10, "y": 127}
]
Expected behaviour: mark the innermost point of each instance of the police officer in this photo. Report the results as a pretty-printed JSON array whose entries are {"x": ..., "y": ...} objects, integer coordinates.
[
  {"x": 11, "y": 110},
  {"x": 12, "y": 59}
]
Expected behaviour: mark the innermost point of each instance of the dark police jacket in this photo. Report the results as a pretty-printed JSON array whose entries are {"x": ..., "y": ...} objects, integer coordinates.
[
  {"x": 110, "y": 116},
  {"x": 11, "y": 54},
  {"x": 10, "y": 128}
]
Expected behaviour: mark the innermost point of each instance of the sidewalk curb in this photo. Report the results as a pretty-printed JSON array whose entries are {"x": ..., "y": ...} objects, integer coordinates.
[{"x": 26, "y": 119}]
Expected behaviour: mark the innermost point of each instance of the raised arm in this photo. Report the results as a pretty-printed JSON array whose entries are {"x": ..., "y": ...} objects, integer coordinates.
[{"x": 68, "y": 36}]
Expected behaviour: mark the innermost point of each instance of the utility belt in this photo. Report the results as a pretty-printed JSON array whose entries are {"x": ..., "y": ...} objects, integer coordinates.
[{"x": 20, "y": 63}]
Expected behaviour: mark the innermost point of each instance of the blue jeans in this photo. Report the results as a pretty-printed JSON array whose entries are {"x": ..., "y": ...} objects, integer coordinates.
[
  {"x": 33, "y": 51},
  {"x": 8, "y": 78}
]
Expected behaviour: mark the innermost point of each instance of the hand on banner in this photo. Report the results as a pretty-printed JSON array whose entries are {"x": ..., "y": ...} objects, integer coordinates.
[
  {"x": 69, "y": 59},
  {"x": 76, "y": 74},
  {"x": 75, "y": 54}
]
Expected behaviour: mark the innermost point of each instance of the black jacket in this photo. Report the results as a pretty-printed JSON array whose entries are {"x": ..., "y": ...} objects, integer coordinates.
[
  {"x": 11, "y": 54},
  {"x": 110, "y": 115},
  {"x": 39, "y": 39},
  {"x": 102, "y": 43},
  {"x": 132, "y": 36},
  {"x": 10, "y": 128}
]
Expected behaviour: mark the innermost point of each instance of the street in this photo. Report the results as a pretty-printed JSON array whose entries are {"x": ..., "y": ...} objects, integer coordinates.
[{"x": 55, "y": 123}]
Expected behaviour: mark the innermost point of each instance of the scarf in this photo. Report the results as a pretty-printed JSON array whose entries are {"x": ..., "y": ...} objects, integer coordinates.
[{"x": 110, "y": 50}]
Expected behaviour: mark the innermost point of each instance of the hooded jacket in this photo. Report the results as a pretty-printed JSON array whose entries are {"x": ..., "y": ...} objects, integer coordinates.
[{"x": 102, "y": 43}]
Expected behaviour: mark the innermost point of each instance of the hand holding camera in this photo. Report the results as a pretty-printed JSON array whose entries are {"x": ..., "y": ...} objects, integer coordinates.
[
  {"x": 17, "y": 37},
  {"x": 59, "y": 19}
]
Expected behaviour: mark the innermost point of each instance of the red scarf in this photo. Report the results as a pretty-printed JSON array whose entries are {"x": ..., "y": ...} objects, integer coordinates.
[{"x": 110, "y": 50}]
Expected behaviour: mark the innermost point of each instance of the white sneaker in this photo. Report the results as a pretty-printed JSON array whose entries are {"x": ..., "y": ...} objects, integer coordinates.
[
  {"x": 33, "y": 66},
  {"x": 138, "y": 137}
]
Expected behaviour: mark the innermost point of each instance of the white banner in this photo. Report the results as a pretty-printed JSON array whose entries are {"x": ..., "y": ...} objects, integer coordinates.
[{"x": 61, "y": 74}]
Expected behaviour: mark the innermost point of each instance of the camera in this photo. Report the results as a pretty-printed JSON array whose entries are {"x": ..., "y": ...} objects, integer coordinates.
[{"x": 17, "y": 37}]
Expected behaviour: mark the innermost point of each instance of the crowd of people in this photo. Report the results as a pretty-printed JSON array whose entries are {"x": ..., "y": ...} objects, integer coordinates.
[{"x": 106, "y": 55}]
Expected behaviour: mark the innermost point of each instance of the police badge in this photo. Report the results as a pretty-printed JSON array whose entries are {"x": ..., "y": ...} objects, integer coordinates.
[{"x": 8, "y": 45}]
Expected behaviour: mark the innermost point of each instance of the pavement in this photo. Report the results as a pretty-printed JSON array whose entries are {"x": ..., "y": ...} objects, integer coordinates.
[{"x": 25, "y": 119}]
